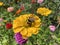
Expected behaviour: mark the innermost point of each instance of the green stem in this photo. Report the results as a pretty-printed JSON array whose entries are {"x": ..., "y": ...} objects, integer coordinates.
[{"x": 57, "y": 26}]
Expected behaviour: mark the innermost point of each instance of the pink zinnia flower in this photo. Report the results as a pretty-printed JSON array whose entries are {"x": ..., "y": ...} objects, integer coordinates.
[
  {"x": 10, "y": 9},
  {"x": 40, "y": 1},
  {"x": 1, "y": 19},
  {"x": 52, "y": 28}
]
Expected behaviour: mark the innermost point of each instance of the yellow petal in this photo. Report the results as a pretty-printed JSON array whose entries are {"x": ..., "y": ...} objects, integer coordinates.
[
  {"x": 33, "y": 30},
  {"x": 36, "y": 32},
  {"x": 24, "y": 32},
  {"x": 18, "y": 29},
  {"x": 30, "y": 30},
  {"x": 37, "y": 23},
  {"x": 29, "y": 34},
  {"x": 24, "y": 37},
  {"x": 16, "y": 23}
]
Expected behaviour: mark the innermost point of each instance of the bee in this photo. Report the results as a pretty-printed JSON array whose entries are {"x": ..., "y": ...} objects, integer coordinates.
[{"x": 30, "y": 21}]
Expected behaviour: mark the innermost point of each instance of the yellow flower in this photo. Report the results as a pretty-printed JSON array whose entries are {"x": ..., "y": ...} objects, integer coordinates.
[
  {"x": 27, "y": 25},
  {"x": 43, "y": 11},
  {"x": 1, "y": 3}
]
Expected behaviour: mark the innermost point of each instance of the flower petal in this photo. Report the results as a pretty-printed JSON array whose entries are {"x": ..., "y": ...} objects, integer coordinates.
[
  {"x": 24, "y": 32},
  {"x": 18, "y": 29}
]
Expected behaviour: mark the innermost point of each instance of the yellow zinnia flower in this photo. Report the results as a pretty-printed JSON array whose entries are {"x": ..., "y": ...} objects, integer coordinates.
[
  {"x": 1, "y": 3},
  {"x": 43, "y": 11},
  {"x": 27, "y": 25}
]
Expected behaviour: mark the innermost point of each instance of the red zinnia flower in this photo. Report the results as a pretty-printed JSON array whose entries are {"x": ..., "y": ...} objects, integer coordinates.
[
  {"x": 8, "y": 25},
  {"x": 22, "y": 7},
  {"x": 33, "y": 1}
]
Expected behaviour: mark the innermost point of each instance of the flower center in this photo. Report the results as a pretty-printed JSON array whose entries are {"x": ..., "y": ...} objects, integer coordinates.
[{"x": 30, "y": 21}]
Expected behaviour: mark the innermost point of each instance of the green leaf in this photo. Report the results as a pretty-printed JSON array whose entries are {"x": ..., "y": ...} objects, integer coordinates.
[{"x": 29, "y": 43}]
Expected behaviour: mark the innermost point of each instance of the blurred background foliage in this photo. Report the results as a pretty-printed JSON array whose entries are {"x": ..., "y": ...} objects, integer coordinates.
[{"x": 45, "y": 36}]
